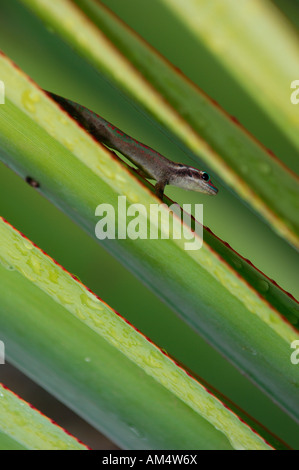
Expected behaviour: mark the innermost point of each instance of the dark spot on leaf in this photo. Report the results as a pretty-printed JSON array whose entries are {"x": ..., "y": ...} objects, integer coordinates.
[{"x": 32, "y": 182}]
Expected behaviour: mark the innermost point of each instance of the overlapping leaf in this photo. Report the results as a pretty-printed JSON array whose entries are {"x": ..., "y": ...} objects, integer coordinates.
[{"x": 39, "y": 140}]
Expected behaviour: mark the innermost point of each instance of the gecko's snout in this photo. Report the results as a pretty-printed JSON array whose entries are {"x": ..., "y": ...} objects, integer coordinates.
[{"x": 212, "y": 188}]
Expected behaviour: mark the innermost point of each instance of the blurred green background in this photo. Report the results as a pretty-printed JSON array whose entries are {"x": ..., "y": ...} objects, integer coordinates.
[{"x": 54, "y": 66}]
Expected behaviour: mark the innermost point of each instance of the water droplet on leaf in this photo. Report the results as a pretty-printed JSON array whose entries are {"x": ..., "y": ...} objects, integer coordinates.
[{"x": 29, "y": 100}]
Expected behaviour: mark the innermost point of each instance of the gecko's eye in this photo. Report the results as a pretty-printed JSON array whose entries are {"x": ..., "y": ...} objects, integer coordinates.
[{"x": 205, "y": 176}]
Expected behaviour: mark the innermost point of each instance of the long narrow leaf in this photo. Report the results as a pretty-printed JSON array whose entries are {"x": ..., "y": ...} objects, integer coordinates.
[
  {"x": 40, "y": 141},
  {"x": 264, "y": 59},
  {"x": 82, "y": 351},
  {"x": 23, "y": 427}
]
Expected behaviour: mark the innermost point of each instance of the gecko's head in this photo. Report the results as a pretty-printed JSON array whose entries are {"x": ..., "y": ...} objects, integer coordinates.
[{"x": 193, "y": 179}]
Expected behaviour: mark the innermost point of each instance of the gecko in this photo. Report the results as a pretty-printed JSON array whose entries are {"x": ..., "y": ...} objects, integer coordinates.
[{"x": 150, "y": 163}]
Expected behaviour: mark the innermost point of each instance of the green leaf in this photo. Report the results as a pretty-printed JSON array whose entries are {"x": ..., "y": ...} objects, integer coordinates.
[
  {"x": 264, "y": 58},
  {"x": 39, "y": 140},
  {"x": 90, "y": 357},
  {"x": 23, "y": 427},
  {"x": 204, "y": 129}
]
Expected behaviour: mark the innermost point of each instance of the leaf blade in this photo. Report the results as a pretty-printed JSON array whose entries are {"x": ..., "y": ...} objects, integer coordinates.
[
  {"x": 228, "y": 312},
  {"x": 113, "y": 337},
  {"x": 23, "y": 427}
]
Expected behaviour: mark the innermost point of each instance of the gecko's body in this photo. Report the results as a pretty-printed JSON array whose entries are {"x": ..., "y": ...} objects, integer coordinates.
[{"x": 151, "y": 164}]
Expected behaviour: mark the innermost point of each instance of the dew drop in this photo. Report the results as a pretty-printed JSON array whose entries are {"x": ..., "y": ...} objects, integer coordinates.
[
  {"x": 53, "y": 276},
  {"x": 107, "y": 172},
  {"x": 265, "y": 169},
  {"x": 126, "y": 333},
  {"x": 237, "y": 263},
  {"x": 68, "y": 144},
  {"x": 99, "y": 167},
  {"x": 263, "y": 286},
  {"x": 27, "y": 245},
  {"x": 133, "y": 197},
  {"x": 34, "y": 264},
  {"x": 208, "y": 261},
  {"x": 85, "y": 300},
  {"x": 28, "y": 275},
  {"x": 114, "y": 341},
  {"x": 29, "y": 100},
  {"x": 120, "y": 178},
  {"x": 6, "y": 264},
  {"x": 274, "y": 318},
  {"x": 80, "y": 314},
  {"x": 15, "y": 256},
  {"x": 98, "y": 322},
  {"x": 91, "y": 301},
  {"x": 65, "y": 300},
  {"x": 133, "y": 343},
  {"x": 20, "y": 247},
  {"x": 52, "y": 132},
  {"x": 153, "y": 360},
  {"x": 135, "y": 431}
]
